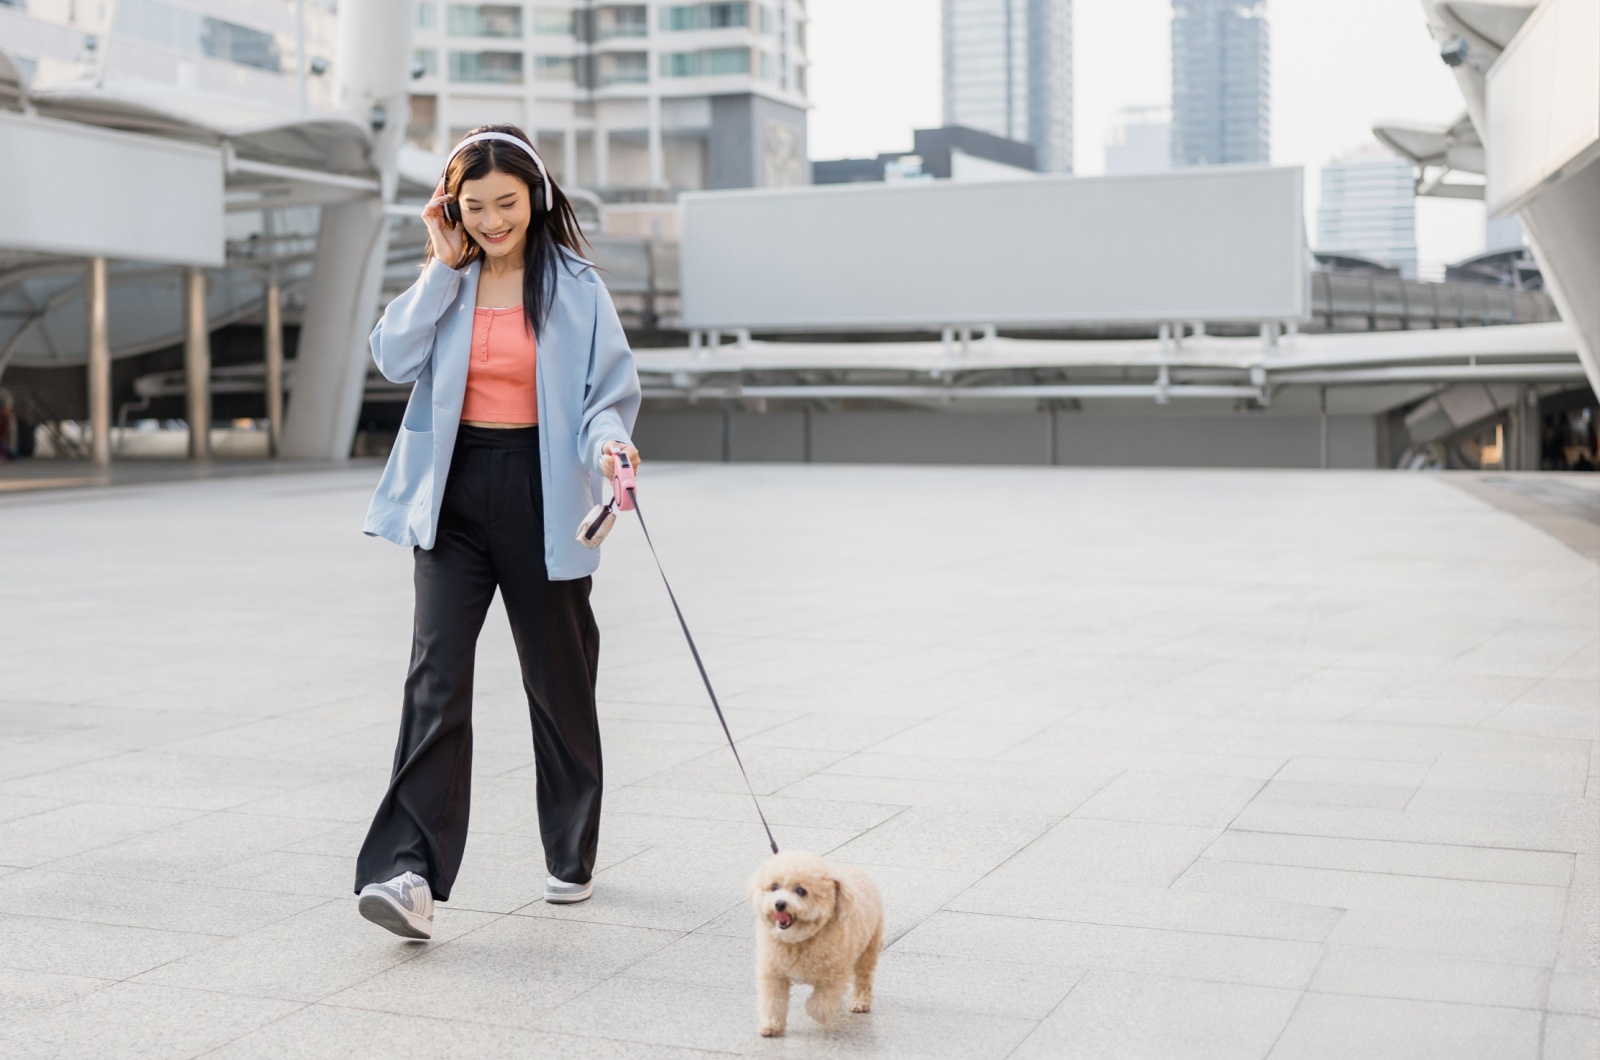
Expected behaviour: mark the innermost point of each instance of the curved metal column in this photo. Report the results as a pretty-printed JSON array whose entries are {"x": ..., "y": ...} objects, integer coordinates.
[
  {"x": 1563, "y": 227},
  {"x": 197, "y": 363},
  {"x": 99, "y": 361},
  {"x": 370, "y": 80}
]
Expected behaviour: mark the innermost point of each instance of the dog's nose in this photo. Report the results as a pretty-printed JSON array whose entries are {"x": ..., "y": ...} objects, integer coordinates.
[{"x": 780, "y": 905}]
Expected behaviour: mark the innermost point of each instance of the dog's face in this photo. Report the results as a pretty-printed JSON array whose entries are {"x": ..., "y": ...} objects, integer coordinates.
[{"x": 794, "y": 896}]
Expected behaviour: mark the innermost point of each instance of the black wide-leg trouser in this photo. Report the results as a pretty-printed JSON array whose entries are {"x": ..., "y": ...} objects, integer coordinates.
[{"x": 491, "y": 534}]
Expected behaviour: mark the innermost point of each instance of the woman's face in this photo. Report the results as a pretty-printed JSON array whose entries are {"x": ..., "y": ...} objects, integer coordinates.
[{"x": 495, "y": 211}]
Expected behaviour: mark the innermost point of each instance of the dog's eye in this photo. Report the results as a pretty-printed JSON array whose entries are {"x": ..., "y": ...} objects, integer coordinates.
[
  {"x": 774, "y": 887},
  {"x": 800, "y": 892}
]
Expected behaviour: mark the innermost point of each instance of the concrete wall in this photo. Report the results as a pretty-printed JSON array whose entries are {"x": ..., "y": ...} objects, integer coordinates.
[
  {"x": 737, "y": 146},
  {"x": 1156, "y": 439}
]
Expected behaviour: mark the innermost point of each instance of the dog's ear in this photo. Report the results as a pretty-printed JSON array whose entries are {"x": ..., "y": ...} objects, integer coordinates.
[{"x": 843, "y": 899}]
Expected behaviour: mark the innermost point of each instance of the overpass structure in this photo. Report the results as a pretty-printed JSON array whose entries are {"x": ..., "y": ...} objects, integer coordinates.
[
  {"x": 1529, "y": 72},
  {"x": 1041, "y": 289},
  {"x": 133, "y": 189}
]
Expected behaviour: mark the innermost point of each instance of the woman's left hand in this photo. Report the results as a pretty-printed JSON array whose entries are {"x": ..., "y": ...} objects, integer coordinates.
[{"x": 608, "y": 462}]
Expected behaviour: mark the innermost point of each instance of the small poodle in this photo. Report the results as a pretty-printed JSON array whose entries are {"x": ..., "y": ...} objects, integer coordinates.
[{"x": 816, "y": 923}]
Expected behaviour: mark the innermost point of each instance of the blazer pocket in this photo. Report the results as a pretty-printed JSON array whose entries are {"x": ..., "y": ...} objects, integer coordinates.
[{"x": 410, "y": 468}]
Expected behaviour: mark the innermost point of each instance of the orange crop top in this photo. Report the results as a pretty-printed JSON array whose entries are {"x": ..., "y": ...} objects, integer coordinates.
[{"x": 501, "y": 385}]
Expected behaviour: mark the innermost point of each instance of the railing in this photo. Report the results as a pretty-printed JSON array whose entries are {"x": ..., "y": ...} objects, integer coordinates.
[
  {"x": 642, "y": 274},
  {"x": 1343, "y": 301}
]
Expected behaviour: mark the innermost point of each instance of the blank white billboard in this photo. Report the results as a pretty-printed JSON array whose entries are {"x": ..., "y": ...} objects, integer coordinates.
[
  {"x": 1213, "y": 244},
  {"x": 75, "y": 189}
]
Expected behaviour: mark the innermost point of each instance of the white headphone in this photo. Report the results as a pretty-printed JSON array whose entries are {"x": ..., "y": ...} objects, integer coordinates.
[{"x": 549, "y": 191}]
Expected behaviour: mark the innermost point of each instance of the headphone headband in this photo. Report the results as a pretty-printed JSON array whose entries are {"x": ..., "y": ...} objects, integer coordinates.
[{"x": 549, "y": 191}]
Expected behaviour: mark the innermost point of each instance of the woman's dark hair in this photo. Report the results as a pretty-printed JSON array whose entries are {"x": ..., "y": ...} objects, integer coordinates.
[{"x": 548, "y": 230}]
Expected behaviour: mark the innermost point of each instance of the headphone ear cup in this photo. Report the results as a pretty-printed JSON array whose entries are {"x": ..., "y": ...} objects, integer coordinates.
[{"x": 452, "y": 213}]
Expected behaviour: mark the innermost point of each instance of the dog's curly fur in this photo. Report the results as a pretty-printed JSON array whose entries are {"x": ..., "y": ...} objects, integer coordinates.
[{"x": 816, "y": 923}]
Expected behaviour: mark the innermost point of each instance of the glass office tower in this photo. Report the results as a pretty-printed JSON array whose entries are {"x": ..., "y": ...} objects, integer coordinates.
[
  {"x": 1008, "y": 71},
  {"x": 1221, "y": 98},
  {"x": 1369, "y": 208}
]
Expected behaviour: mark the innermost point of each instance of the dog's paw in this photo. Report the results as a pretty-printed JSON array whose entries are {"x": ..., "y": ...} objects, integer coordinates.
[
  {"x": 821, "y": 1010},
  {"x": 771, "y": 1030},
  {"x": 861, "y": 1004}
]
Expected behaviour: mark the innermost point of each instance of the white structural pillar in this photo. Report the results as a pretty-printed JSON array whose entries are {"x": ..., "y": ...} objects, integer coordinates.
[
  {"x": 197, "y": 363},
  {"x": 274, "y": 348},
  {"x": 370, "y": 81},
  {"x": 1563, "y": 227},
  {"x": 602, "y": 151},
  {"x": 657, "y": 162},
  {"x": 99, "y": 361},
  {"x": 569, "y": 153}
]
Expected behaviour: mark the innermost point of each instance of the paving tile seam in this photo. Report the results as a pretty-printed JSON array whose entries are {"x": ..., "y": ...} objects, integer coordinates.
[
  {"x": 56, "y": 769},
  {"x": 1186, "y": 932},
  {"x": 1563, "y": 887},
  {"x": 106, "y": 923},
  {"x": 1261, "y": 786},
  {"x": 1293, "y": 1012},
  {"x": 1047, "y": 1016},
  {"x": 741, "y": 820},
  {"x": 199, "y": 815},
  {"x": 1479, "y": 1005}
]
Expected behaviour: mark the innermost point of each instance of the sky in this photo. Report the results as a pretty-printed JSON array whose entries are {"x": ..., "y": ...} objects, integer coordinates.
[{"x": 1338, "y": 67}]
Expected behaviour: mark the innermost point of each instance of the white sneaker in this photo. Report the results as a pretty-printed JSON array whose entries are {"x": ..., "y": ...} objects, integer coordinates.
[
  {"x": 558, "y": 892},
  {"x": 404, "y": 905}
]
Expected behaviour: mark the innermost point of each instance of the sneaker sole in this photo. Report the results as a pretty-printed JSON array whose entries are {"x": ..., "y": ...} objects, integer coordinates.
[
  {"x": 386, "y": 914},
  {"x": 555, "y": 898}
]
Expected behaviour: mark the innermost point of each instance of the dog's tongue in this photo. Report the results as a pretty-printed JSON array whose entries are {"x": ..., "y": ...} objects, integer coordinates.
[{"x": 783, "y": 919}]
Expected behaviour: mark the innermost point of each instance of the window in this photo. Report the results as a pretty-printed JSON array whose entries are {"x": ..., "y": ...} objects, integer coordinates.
[
  {"x": 633, "y": 21},
  {"x": 766, "y": 19},
  {"x": 426, "y": 60},
  {"x": 175, "y": 27},
  {"x": 713, "y": 62},
  {"x": 248, "y": 47},
  {"x": 624, "y": 68},
  {"x": 495, "y": 68},
  {"x": 427, "y": 14},
  {"x": 424, "y": 115},
  {"x": 554, "y": 68},
  {"x": 553, "y": 21},
  {"x": 485, "y": 20},
  {"x": 769, "y": 67},
  {"x": 705, "y": 16}
]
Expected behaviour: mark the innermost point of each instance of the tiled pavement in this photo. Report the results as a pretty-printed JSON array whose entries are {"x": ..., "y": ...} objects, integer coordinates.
[{"x": 1177, "y": 764}]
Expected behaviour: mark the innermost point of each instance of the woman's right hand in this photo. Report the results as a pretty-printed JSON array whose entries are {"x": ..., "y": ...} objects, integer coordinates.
[{"x": 448, "y": 243}]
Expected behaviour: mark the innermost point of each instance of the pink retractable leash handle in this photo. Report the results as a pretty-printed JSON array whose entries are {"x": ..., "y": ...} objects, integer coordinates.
[
  {"x": 622, "y": 482},
  {"x": 624, "y": 491}
]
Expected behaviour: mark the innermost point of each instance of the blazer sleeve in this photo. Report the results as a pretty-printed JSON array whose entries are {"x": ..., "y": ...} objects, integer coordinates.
[
  {"x": 611, "y": 391},
  {"x": 403, "y": 340}
]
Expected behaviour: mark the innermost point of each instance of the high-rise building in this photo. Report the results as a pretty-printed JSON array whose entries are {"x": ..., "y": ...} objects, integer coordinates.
[
  {"x": 1008, "y": 71},
  {"x": 634, "y": 100},
  {"x": 1140, "y": 142},
  {"x": 1369, "y": 208},
  {"x": 1220, "y": 82}
]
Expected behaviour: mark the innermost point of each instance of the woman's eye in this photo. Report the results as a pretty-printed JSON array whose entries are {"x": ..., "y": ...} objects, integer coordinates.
[{"x": 800, "y": 892}]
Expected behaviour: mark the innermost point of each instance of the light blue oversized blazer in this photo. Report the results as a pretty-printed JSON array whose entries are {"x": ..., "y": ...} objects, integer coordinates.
[{"x": 588, "y": 395}]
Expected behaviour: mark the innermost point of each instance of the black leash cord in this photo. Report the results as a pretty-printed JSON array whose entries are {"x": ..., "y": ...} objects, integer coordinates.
[{"x": 702, "y": 667}]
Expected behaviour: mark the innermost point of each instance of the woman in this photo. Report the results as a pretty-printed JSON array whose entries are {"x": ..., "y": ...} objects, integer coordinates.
[{"x": 525, "y": 391}]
